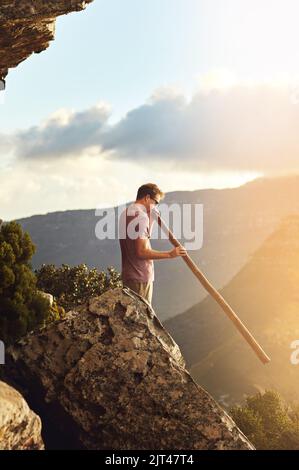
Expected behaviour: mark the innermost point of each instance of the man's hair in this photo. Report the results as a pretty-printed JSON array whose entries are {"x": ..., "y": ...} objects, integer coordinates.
[{"x": 151, "y": 189}]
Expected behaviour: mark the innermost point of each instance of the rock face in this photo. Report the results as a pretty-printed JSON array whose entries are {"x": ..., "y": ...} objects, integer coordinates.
[
  {"x": 20, "y": 428},
  {"x": 109, "y": 376},
  {"x": 47, "y": 296},
  {"x": 28, "y": 26}
]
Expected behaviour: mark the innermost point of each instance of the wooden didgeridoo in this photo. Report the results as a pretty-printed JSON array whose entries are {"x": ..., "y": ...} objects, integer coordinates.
[{"x": 215, "y": 294}]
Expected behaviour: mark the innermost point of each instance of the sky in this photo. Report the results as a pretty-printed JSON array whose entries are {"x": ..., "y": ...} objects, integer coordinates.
[{"x": 188, "y": 94}]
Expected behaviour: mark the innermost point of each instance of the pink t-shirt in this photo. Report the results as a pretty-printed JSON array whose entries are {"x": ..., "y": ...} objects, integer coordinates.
[{"x": 135, "y": 223}]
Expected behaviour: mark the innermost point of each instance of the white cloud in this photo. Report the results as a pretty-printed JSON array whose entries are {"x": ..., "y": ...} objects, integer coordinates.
[
  {"x": 241, "y": 127},
  {"x": 63, "y": 133},
  {"x": 223, "y": 136},
  {"x": 250, "y": 127}
]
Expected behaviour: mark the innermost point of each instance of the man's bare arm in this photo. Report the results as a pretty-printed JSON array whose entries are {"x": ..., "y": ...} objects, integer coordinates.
[{"x": 144, "y": 252}]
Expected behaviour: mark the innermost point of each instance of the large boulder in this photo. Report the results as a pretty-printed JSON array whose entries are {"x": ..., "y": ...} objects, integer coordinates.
[
  {"x": 109, "y": 376},
  {"x": 20, "y": 428}
]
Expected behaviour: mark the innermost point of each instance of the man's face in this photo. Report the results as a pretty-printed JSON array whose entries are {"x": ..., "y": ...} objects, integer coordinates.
[{"x": 151, "y": 202}]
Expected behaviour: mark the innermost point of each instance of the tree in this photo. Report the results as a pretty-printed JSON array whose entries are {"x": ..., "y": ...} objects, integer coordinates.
[
  {"x": 268, "y": 422},
  {"x": 72, "y": 286},
  {"x": 22, "y": 307}
]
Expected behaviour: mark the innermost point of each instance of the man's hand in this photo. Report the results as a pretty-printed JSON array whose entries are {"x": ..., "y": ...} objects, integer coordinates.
[
  {"x": 143, "y": 251},
  {"x": 178, "y": 251}
]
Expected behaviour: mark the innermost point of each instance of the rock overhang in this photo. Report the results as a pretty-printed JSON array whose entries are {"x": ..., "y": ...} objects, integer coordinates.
[{"x": 27, "y": 27}]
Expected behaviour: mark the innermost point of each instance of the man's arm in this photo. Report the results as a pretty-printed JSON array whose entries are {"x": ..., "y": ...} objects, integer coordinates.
[{"x": 144, "y": 252}]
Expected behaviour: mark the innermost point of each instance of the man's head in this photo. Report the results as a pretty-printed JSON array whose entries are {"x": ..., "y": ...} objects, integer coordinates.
[{"x": 149, "y": 195}]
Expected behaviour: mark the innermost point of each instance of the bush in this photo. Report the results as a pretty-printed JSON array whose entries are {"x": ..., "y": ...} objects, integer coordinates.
[
  {"x": 268, "y": 422},
  {"x": 73, "y": 286},
  {"x": 22, "y": 307}
]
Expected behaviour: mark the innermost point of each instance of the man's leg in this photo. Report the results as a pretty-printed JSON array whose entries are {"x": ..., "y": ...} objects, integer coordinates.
[
  {"x": 145, "y": 289},
  {"x": 148, "y": 292}
]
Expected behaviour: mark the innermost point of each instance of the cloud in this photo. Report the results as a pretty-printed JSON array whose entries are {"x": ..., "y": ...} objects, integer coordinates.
[
  {"x": 240, "y": 127},
  {"x": 64, "y": 133},
  {"x": 245, "y": 128}
]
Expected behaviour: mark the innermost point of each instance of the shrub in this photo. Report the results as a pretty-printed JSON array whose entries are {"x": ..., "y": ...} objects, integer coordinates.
[
  {"x": 22, "y": 307},
  {"x": 268, "y": 422},
  {"x": 72, "y": 286}
]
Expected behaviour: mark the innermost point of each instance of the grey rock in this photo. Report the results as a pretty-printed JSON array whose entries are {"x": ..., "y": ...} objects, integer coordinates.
[
  {"x": 20, "y": 428},
  {"x": 47, "y": 296},
  {"x": 109, "y": 376}
]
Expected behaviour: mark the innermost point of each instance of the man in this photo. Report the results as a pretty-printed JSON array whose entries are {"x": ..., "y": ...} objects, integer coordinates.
[{"x": 137, "y": 255}]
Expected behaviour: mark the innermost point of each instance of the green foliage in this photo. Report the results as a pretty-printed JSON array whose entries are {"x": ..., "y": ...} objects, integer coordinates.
[
  {"x": 22, "y": 307},
  {"x": 72, "y": 286},
  {"x": 56, "y": 312},
  {"x": 268, "y": 422}
]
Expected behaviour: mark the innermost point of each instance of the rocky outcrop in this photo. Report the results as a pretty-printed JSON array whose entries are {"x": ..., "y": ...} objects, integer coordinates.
[
  {"x": 47, "y": 296},
  {"x": 28, "y": 26},
  {"x": 20, "y": 428},
  {"x": 109, "y": 376}
]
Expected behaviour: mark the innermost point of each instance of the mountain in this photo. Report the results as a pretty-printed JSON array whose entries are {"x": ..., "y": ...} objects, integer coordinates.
[
  {"x": 265, "y": 295},
  {"x": 236, "y": 222}
]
